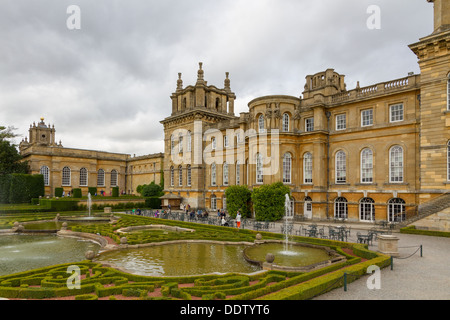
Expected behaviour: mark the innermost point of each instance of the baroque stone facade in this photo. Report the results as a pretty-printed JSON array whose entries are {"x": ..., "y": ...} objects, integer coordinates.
[
  {"x": 71, "y": 168},
  {"x": 365, "y": 154}
]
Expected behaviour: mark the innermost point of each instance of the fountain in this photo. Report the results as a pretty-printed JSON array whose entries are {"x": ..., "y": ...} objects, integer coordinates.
[
  {"x": 287, "y": 215},
  {"x": 89, "y": 203}
]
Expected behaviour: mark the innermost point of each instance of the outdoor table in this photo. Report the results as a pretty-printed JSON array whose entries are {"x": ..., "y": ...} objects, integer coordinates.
[
  {"x": 364, "y": 238},
  {"x": 311, "y": 232}
]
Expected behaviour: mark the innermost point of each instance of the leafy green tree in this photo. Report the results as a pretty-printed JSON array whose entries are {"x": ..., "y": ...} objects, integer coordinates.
[
  {"x": 238, "y": 198},
  {"x": 150, "y": 190},
  {"x": 10, "y": 159},
  {"x": 268, "y": 201}
]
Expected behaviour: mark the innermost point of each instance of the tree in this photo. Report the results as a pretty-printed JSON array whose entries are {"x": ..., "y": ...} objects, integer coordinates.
[
  {"x": 150, "y": 190},
  {"x": 268, "y": 201},
  {"x": 10, "y": 159},
  {"x": 238, "y": 198}
]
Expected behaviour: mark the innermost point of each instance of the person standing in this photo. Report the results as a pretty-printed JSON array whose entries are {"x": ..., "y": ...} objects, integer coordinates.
[{"x": 238, "y": 219}]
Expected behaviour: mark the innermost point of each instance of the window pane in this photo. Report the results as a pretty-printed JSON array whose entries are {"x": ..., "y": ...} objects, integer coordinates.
[
  {"x": 101, "y": 178},
  {"x": 341, "y": 123},
  {"x": 366, "y": 166},
  {"x": 367, "y": 117},
  {"x": 307, "y": 168},
  {"x": 66, "y": 176},
  {"x": 287, "y": 168},
  {"x": 341, "y": 167},
  {"x": 113, "y": 178},
  {"x": 259, "y": 168},
  {"x": 396, "y": 112}
]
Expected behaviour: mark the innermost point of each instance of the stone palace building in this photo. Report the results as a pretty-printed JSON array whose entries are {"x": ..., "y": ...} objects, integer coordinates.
[{"x": 363, "y": 154}]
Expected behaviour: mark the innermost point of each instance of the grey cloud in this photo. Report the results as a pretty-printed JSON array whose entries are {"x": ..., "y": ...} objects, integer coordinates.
[{"x": 107, "y": 85}]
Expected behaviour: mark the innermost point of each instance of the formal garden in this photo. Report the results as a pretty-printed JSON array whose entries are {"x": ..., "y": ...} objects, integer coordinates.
[
  {"x": 102, "y": 281},
  {"x": 86, "y": 247}
]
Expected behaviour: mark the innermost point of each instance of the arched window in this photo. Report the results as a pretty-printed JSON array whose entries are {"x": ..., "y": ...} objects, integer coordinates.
[
  {"x": 189, "y": 175},
  {"x": 45, "y": 171},
  {"x": 366, "y": 209},
  {"x": 285, "y": 127},
  {"x": 180, "y": 176},
  {"x": 101, "y": 178},
  {"x": 261, "y": 123},
  {"x": 341, "y": 167},
  {"x": 213, "y": 174},
  {"x": 287, "y": 165},
  {"x": 83, "y": 177},
  {"x": 238, "y": 172},
  {"x": 396, "y": 210},
  {"x": 396, "y": 164},
  {"x": 366, "y": 166},
  {"x": 307, "y": 168},
  {"x": 225, "y": 174},
  {"x": 172, "y": 178},
  {"x": 213, "y": 202},
  {"x": 340, "y": 208},
  {"x": 189, "y": 141},
  {"x": 114, "y": 177},
  {"x": 180, "y": 143},
  {"x": 213, "y": 143},
  {"x": 66, "y": 176},
  {"x": 172, "y": 144},
  {"x": 259, "y": 168}
]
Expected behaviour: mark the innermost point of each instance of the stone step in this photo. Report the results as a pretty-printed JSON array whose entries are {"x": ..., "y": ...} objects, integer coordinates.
[{"x": 429, "y": 208}]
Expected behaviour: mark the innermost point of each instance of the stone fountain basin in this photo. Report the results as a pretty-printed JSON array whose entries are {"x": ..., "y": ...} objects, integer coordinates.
[
  {"x": 297, "y": 259},
  {"x": 154, "y": 227}
]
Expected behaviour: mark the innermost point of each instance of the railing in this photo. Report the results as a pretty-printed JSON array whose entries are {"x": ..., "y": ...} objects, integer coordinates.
[{"x": 379, "y": 88}]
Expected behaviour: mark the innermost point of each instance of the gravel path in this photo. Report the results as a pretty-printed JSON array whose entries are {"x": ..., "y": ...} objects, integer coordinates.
[{"x": 412, "y": 278}]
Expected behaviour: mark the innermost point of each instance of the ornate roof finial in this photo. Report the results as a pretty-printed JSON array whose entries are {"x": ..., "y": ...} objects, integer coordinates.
[
  {"x": 179, "y": 82},
  {"x": 227, "y": 81},
  {"x": 200, "y": 73}
]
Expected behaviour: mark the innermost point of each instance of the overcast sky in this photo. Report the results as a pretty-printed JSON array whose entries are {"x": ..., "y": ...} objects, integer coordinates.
[{"x": 107, "y": 85}]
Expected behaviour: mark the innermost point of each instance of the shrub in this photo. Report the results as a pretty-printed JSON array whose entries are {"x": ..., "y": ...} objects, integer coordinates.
[
  {"x": 59, "y": 204},
  {"x": 20, "y": 188},
  {"x": 153, "y": 202},
  {"x": 115, "y": 191},
  {"x": 150, "y": 190},
  {"x": 59, "y": 192},
  {"x": 92, "y": 191},
  {"x": 86, "y": 297},
  {"x": 77, "y": 193},
  {"x": 238, "y": 198},
  {"x": 268, "y": 201}
]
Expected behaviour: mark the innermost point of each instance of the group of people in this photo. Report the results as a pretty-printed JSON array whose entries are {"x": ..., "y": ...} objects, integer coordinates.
[{"x": 221, "y": 214}]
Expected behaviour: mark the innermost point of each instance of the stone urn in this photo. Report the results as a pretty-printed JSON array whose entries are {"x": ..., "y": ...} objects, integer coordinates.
[
  {"x": 258, "y": 236},
  {"x": 123, "y": 240},
  {"x": 64, "y": 226},
  {"x": 270, "y": 257},
  {"x": 89, "y": 255}
]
